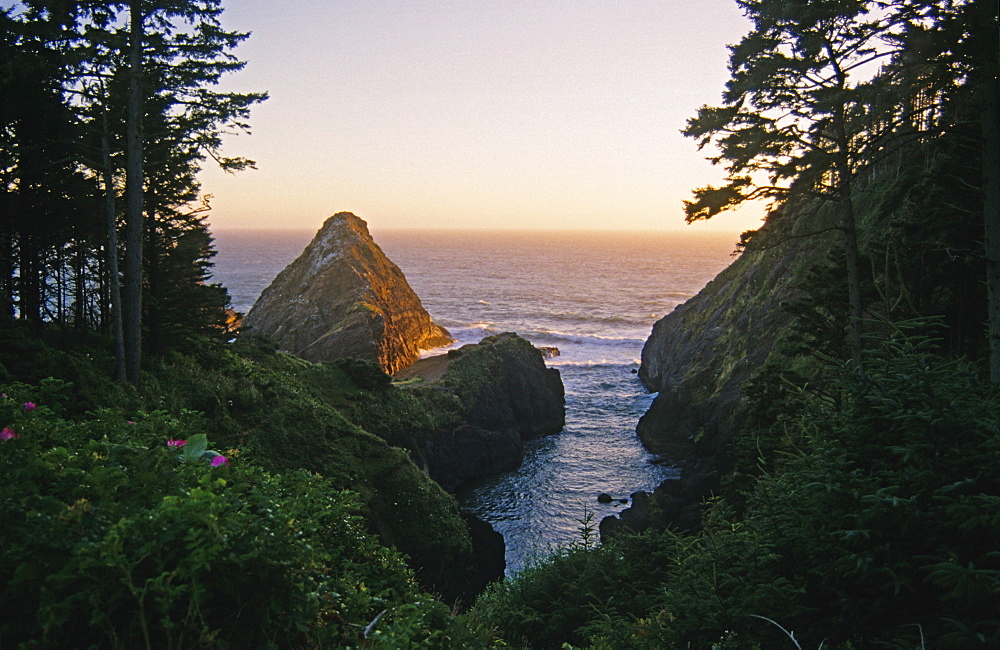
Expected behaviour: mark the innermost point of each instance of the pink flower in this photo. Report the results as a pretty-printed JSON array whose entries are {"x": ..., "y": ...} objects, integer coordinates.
[
  {"x": 219, "y": 460},
  {"x": 29, "y": 406},
  {"x": 8, "y": 434},
  {"x": 176, "y": 443}
]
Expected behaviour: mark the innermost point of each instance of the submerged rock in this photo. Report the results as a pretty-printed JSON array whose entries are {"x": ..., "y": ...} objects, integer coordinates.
[{"x": 342, "y": 297}]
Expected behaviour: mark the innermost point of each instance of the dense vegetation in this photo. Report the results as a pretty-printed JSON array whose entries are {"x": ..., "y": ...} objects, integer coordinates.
[
  {"x": 301, "y": 525},
  {"x": 114, "y": 535},
  {"x": 107, "y": 113},
  {"x": 228, "y": 495},
  {"x": 280, "y": 520},
  {"x": 862, "y": 508},
  {"x": 874, "y": 520}
]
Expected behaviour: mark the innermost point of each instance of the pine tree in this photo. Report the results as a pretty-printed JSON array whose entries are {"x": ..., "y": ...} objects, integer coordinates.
[
  {"x": 45, "y": 196},
  {"x": 801, "y": 116},
  {"x": 171, "y": 68},
  {"x": 126, "y": 73}
]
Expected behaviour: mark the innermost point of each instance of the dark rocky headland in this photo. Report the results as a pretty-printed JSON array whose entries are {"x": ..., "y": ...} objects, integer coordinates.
[{"x": 699, "y": 359}]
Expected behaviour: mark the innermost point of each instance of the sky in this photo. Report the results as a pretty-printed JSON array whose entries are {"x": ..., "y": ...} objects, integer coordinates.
[{"x": 485, "y": 114}]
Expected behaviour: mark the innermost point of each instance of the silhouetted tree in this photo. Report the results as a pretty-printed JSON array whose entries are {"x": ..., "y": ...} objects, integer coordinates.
[
  {"x": 177, "y": 50},
  {"x": 800, "y": 116},
  {"x": 130, "y": 85}
]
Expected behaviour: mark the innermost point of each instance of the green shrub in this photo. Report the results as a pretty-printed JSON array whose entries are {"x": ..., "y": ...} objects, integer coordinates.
[
  {"x": 114, "y": 538},
  {"x": 874, "y": 522},
  {"x": 366, "y": 374},
  {"x": 576, "y": 589}
]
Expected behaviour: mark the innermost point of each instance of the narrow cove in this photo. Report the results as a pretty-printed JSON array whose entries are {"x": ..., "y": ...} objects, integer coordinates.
[{"x": 593, "y": 296}]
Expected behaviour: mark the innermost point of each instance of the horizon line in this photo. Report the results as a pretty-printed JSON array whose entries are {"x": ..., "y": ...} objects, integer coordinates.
[{"x": 602, "y": 231}]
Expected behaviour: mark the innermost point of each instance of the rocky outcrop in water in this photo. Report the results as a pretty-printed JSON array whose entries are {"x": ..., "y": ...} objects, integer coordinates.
[
  {"x": 342, "y": 297},
  {"x": 503, "y": 383},
  {"x": 505, "y": 395}
]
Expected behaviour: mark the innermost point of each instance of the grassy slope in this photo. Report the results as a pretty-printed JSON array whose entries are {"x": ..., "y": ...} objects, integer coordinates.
[{"x": 283, "y": 413}]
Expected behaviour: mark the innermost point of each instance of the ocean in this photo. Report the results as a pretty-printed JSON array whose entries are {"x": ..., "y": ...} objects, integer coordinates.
[{"x": 592, "y": 295}]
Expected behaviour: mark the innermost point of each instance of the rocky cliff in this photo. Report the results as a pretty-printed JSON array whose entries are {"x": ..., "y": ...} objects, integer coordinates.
[
  {"x": 342, "y": 297},
  {"x": 699, "y": 357},
  {"x": 505, "y": 395}
]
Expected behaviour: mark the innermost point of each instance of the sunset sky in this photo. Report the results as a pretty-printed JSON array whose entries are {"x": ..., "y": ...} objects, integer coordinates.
[{"x": 475, "y": 114}]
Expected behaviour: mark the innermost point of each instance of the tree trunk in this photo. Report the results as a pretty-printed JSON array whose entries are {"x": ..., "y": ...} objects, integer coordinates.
[
  {"x": 848, "y": 222},
  {"x": 154, "y": 296},
  {"x": 132, "y": 294},
  {"x": 79, "y": 287},
  {"x": 114, "y": 281},
  {"x": 6, "y": 276},
  {"x": 991, "y": 214},
  {"x": 29, "y": 280},
  {"x": 60, "y": 279},
  {"x": 849, "y": 225},
  {"x": 853, "y": 273}
]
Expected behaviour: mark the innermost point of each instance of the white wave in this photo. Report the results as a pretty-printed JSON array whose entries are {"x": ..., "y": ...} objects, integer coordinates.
[
  {"x": 588, "y": 363},
  {"x": 478, "y": 329},
  {"x": 597, "y": 319},
  {"x": 539, "y": 334},
  {"x": 580, "y": 338},
  {"x": 480, "y": 325}
]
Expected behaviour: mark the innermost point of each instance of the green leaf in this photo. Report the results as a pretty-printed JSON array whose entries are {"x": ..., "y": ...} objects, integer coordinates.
[{"x": 195, "y": 447}]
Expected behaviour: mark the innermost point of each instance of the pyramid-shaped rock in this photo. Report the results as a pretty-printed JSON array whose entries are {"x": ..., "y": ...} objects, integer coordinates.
[{"x": 342, "y": 297}]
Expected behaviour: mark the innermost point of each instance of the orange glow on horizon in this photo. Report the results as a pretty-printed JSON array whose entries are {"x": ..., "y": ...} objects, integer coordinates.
[{"x": 560, "y": 115}]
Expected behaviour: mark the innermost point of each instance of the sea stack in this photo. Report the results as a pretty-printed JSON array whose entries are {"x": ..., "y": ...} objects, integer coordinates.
[
  {"x": 342, "y": 297},
  {"x": 505, "y": 395}
]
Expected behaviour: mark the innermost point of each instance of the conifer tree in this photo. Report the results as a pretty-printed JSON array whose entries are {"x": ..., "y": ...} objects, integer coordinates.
[
  {"x": 799, "y": 116},
  {"x": 964, "y": 42},
  {"x": 43, "y": 193},
  {"x": 177, "y": 49},
  {"x": 127, "y": 73}
]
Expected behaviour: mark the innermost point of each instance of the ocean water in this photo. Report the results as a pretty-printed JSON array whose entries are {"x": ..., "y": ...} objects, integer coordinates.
[{"x": 594, "y": 296}]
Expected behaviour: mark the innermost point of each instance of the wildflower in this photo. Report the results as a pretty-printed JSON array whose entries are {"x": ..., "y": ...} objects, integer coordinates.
[
  {"x": 29, "y": 406},
  {"x": 8, "y": 434},
  {"x": 219, "y": 460},
  {"x": 176, "y": 443}
]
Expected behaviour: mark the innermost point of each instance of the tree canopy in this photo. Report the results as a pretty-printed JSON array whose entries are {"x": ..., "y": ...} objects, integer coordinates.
[
  {"x": 110, "y": 108},
  {"x": 823, "y": 92}
]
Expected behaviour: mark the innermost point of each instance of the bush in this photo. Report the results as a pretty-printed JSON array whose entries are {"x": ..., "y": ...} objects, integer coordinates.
[
  {"x": 114, "y": 538},
  {"x": 366, "y": 374},
  {"x": 578, "y": 588},
  {"x": 284, "y": 414},
  {"x": 877, "y": 526}
]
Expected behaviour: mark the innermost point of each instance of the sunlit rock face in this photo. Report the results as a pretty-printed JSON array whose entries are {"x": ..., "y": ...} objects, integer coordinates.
[{"x": 342, "y": 297}]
